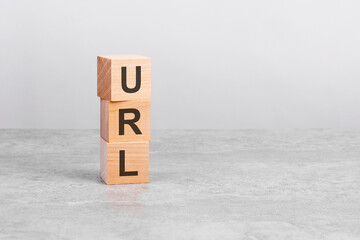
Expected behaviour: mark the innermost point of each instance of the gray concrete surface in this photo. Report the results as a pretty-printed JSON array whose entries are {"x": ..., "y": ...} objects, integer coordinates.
[{"x": 245, "y": 184}]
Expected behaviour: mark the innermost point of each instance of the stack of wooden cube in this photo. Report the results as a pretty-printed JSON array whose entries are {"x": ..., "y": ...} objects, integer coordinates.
[{"x": 124, "y": 86}]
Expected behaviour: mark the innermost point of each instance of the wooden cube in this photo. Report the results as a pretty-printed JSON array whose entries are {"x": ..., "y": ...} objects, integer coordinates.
[
  {"x": 126, "y": 162},
  {"x": 127, "y": 121},
  {"x": 124, "y": 77}
]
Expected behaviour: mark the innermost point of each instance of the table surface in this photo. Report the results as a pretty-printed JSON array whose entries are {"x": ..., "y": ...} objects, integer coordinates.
[{"x": 204, "y": 184}]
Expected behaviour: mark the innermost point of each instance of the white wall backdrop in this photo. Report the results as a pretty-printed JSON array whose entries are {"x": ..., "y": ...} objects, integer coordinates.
[{"x": 216, "y": 64}]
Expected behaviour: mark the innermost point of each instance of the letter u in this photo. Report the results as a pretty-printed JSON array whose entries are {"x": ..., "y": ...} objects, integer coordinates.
[{"x": 138, "y": 80}]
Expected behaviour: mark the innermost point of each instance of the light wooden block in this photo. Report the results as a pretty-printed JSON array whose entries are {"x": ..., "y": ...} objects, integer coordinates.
[
  {"x": 118, "y": 121},
  {"x": 117, "y": 77},
  {"x": 122, "y": 163}
]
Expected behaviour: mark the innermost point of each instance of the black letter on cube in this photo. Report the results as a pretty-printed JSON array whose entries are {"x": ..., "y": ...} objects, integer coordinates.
[
  {"x": 122, "y": 166},
  {"x": 138, "y": 80},
  {"x": 131, "y": 122}
]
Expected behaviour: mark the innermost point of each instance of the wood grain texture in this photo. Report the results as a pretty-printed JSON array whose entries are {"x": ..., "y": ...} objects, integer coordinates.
[
  {"x": 104, "y": 119},
  {"x": 109, "y": 77},
  {"x": 103, "y": 157},
  {"x": 104, "y": 77},
  {"x": 109, "y": 126},
  {"x": 136, "y": 159}
]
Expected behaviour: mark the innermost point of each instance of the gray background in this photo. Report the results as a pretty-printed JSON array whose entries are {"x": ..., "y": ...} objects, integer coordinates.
[{"x": 216, "y": 64}]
